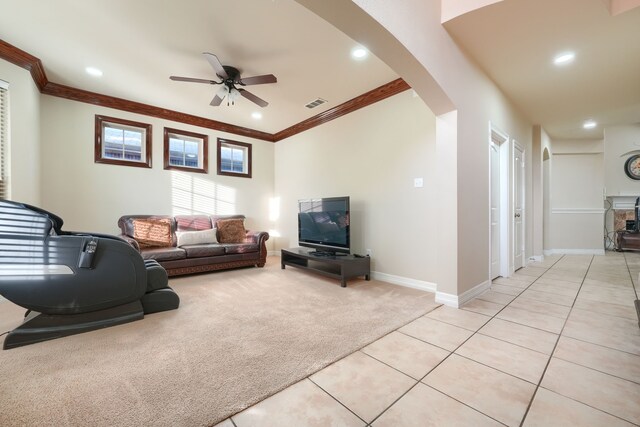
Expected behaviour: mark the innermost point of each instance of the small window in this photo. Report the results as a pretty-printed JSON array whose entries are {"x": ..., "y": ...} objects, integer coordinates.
[
  {"x": 234, "y": 158},
  {"x": 186, "y": 151},
  {"x": 122, "y": 142},
  {"x": 4, "y": 138}
]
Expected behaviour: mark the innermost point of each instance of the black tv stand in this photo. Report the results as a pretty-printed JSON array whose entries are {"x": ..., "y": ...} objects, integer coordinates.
[
  {"x": 342, "y": 266},
  {"x": 326, "y": 253}
]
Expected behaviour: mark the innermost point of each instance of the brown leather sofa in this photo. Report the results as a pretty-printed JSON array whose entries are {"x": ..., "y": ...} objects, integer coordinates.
[{"x": 186, "y": 244}]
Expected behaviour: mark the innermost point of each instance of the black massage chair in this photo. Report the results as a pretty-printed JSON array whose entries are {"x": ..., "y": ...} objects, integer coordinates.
[{"x": 72, "y": 282}]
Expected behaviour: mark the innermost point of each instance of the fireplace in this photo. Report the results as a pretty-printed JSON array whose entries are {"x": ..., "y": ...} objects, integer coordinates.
[{"x": 623, "y": 210}]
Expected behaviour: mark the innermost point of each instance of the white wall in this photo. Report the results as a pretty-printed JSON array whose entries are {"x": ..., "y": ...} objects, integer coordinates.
[
  {"x": 619, "y": 140},
  {"x": 24, "y": 134},
  {"x": 576, "y": 220},
  {"x": 92, "y": 196},
  {"x": 373, "y": 156}
]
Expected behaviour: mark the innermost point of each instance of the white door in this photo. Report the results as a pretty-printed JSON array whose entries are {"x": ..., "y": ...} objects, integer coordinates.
[
  {"x": 545, "y": 198},
  {"x": 518, "y": 207},
  {"x": 495, "y": 210}
]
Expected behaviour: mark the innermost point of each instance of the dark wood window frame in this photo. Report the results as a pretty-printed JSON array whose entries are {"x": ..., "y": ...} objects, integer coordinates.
[
  {"x": 4, "y": 138},
  {"x": 205, "y": 150},
  {"x": 98, "y": 158},
  {"x": 223, "y": 141}
]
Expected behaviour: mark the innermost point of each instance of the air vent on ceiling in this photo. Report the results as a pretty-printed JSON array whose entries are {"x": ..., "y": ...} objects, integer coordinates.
[{"x": 315, "y": 103}]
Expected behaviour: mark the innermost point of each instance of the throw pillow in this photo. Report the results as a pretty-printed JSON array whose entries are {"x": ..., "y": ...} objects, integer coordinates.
[
  {"x": 231, "y": 230},
  {"x": 152, "y": 232},
  {"x": 196, "y": 237},
  {"x": 192, "y": 222}
]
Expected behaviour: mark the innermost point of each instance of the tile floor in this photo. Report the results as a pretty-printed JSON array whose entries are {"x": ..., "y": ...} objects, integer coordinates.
[{"x": 557, "y": 343}]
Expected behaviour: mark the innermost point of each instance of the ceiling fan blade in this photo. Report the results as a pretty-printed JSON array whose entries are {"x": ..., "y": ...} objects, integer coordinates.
[
  {"x": 251, "y": 97},
  {"x": 258, "y": 80},
  {"x": 216, "y": 64},
  {"x": 191, "y": 79},
  {"x": 216, "y": 101}
]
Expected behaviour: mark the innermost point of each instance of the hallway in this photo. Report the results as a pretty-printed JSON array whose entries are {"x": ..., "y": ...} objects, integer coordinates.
[{"x": 557, "y": 343}]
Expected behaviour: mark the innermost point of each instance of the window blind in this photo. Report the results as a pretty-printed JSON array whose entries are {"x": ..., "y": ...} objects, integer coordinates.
[{"x": 4, "y": 117}]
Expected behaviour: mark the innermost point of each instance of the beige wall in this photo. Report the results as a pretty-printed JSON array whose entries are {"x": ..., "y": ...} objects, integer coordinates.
[
  {"x": 463, "y": 97},
  {"x": 91, "y": 196},
  {"x": 416, "y": 24},
  {"x": 24, "y": 134},
  {"x": 540, "y": 210},
  {"x": 617, "y": 7},
  {"x": 454, "y": 8},
  {"x": 473, "y": 102},
  {"x": 576, "y": 217},
  {"x": 373, "y": 156}
]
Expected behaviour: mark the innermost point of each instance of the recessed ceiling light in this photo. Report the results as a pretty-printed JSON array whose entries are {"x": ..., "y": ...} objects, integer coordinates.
[
  {"x": 359, "y": 53},
  {"x": 589, "y": 124},
  {"x": 93, "y": 71},
  {"x": 564, "y": 58},
  {"x": 256, "y": 115}
]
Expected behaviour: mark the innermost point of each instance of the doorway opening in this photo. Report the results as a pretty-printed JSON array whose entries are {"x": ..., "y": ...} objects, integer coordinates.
[
  {"x": 518, "y": 207},
  {"x": 499, "y": 203},
  {"x": 546, "y": 178}
]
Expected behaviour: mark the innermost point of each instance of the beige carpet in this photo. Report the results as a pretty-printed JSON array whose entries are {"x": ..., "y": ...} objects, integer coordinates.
[{"x": 238, "y": 337}]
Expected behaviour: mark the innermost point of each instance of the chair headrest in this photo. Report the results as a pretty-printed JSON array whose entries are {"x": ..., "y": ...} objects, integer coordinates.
[{"x": 24, "y": 212}]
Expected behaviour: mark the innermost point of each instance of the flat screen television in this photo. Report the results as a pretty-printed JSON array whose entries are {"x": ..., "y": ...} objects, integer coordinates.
[{"x": 324, "y": 224}]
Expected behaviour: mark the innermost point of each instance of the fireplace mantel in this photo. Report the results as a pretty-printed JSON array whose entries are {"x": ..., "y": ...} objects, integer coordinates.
[{"x": 622, "y": 202}]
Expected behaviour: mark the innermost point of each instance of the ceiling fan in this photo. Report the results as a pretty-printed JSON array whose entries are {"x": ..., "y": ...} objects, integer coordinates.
[{"x": 230, "y": 77}]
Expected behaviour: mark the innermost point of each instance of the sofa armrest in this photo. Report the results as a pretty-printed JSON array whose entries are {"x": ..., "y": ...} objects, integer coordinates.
[
  {"x": 131, "y": 241},
  {"x": 259, "y": 237}
]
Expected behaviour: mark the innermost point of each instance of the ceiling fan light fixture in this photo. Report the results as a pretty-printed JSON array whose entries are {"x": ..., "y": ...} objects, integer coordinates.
[
  {"x": 234, "y": 94},
  {"x": 230, "y": 76},
  {"x": 223, "y": 91},
  {"x": 256, "y": 115}
]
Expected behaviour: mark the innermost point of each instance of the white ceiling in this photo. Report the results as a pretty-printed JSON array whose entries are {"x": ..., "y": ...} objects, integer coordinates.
[
  {"x": 515, "y": 41},
  {"x": 138, "y": 44}
]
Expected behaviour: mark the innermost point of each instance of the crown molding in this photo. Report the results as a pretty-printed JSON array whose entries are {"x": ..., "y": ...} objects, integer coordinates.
[
  {"x": 80, "y": 95},
  {"x": 364, "y": 100},
  {"x": 24, "y": 60},
  {"x": 29, "y": 62}
]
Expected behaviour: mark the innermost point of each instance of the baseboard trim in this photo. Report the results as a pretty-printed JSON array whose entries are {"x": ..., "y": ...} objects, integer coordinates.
[
  {"x": 458, "y": 301},
  {"x": 449, "y": 300},
  {"x": 574, "y": 251},
  {"x": 441, "y": 297},
  {"x": 535, "y": 258},
  {"x": 577, "y": 211},
  {"x": 393, "y": 279},
  {"x": 404, "y": 281}
]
